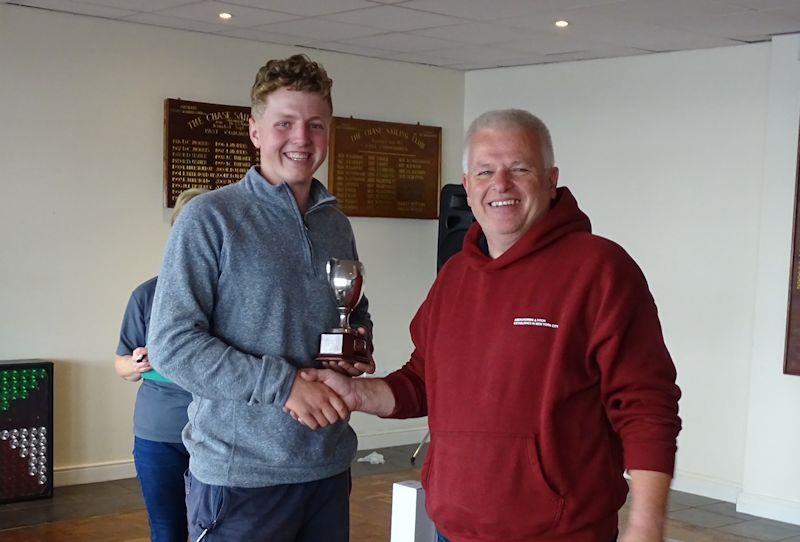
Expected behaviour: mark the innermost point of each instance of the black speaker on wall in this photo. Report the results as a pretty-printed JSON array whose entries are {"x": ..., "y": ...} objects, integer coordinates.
[
  {"x": 455, "y": 218},
  {"x": 26, "y": 430}
]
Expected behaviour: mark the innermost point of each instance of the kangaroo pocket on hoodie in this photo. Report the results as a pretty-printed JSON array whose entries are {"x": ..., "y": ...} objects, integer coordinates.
[{"x": 481, "y": 483}]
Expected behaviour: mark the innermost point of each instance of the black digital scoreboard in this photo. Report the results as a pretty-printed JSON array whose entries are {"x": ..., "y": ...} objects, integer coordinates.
[{"x": 26, "y": 430}]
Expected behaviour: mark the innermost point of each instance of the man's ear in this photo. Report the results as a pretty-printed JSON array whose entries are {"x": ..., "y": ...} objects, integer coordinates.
[
  {"x": 553, "y": 181},
  {"x": 254, "y": 135},
  {"x": 465, "y": 184}
]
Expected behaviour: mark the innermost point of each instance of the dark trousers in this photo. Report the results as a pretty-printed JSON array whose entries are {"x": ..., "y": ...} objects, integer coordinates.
[
  {"x": 306, "y": 512},
  {"x": 160, "y": 467}
]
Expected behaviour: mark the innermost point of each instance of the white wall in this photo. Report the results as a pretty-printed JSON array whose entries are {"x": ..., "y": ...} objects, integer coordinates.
[
  {"x": 772, "y": 463},
  {"x": 81, "y": 117},
  {"x": 687, "y": 160}
]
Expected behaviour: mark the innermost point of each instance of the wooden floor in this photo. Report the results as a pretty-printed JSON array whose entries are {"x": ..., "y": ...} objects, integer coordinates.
[
  {"x": 113, "y": 512},
  {"x": 370, "y": 518}
]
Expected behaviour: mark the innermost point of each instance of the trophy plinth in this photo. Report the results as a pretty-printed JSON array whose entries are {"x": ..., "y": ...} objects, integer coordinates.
[
  {"x": 346, "y": 346},
  {"x": 346, "y": 278}
]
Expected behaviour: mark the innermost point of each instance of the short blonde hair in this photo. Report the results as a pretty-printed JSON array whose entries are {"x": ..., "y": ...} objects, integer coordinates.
[
  {"x": 298, "y": 72},
  {"x": 183, "y": 198}
]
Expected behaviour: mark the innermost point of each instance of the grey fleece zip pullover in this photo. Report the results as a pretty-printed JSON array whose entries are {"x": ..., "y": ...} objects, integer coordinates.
[{"x": 242, "y": 298}]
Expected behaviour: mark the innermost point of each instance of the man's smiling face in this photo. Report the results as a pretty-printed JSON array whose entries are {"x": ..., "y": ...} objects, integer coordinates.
[
  {"x": 508, "y": 187},
  {"x": 291, "y": 133}
]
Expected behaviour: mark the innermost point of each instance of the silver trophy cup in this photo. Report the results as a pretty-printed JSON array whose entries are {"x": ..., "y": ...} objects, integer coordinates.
[{"x": 343, "y": 343}]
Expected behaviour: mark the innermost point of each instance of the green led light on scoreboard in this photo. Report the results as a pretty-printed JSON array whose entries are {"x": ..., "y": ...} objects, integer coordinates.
[{"x": 16, "y": 383}]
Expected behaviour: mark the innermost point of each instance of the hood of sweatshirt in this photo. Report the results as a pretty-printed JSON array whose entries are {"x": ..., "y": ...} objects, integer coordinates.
[{"x": 563, "y": 218}]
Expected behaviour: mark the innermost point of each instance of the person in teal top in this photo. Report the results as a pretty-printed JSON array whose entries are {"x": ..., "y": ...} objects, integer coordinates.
[{"x": 159, "y": 415}]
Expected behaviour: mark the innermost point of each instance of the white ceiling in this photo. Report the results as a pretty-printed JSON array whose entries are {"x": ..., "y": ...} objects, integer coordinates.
[{"x": 464, "y": 34}]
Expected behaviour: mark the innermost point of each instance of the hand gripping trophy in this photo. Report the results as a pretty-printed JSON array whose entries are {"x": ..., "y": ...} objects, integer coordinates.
[{"x": 346, "y": 278}]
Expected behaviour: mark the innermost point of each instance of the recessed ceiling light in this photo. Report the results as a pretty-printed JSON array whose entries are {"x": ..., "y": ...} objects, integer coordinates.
[
  {"x": 225, "y": 16},
  {"x": 562, "y": 23}
]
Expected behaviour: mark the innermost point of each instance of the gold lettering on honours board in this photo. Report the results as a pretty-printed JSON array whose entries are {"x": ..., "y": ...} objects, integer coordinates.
[
  {"x": 195, "y": 122},
  {"x": 385, "y": 169},
  {"x": 218, "y": 115}
]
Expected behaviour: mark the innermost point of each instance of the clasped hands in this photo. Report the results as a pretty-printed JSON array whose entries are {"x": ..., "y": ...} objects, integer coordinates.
[
  {"x": 132, "y": 366},
  {"x": 322, "y": 397}
]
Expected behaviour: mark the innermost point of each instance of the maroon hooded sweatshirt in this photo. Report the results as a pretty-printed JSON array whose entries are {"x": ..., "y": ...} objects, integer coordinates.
[{"x": 544, "y": 375}]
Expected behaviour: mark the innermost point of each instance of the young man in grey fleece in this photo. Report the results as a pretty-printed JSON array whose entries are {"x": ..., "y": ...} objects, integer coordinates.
[{"x": 241, "y": 301}]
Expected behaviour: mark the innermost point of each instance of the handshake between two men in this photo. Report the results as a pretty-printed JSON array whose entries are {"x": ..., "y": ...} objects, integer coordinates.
[{"x": 322, "y": 397}]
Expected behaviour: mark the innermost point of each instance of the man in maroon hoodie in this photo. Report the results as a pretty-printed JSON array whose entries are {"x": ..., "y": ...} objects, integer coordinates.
[{"x": 540, "y": 362}]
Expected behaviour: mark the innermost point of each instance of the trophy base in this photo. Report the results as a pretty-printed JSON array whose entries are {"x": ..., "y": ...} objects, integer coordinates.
[{"x": 336, "y": 347}]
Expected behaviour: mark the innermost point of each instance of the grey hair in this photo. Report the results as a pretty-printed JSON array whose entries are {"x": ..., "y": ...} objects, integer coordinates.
[
  {"x": 506, "y": 118},
  {"x": 183, "y": 198}
]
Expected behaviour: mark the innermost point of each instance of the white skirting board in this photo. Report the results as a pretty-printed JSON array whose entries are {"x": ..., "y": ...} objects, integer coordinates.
[
  {"x": 696, "y": 484},
  {"x": 384, "y": 439},
  {"x": 762, "y": 506},
  {"x": 89, "y": 474},
  {"x": 118, "y": 470},
  {"x": 769, "y": 507}
]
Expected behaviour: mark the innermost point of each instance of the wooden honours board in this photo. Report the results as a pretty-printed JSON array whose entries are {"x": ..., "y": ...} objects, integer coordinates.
[
  {"x": 385, "y": 169},
  {"x": 791, "y": 362},
  {"x": 205, "y": 145}
]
